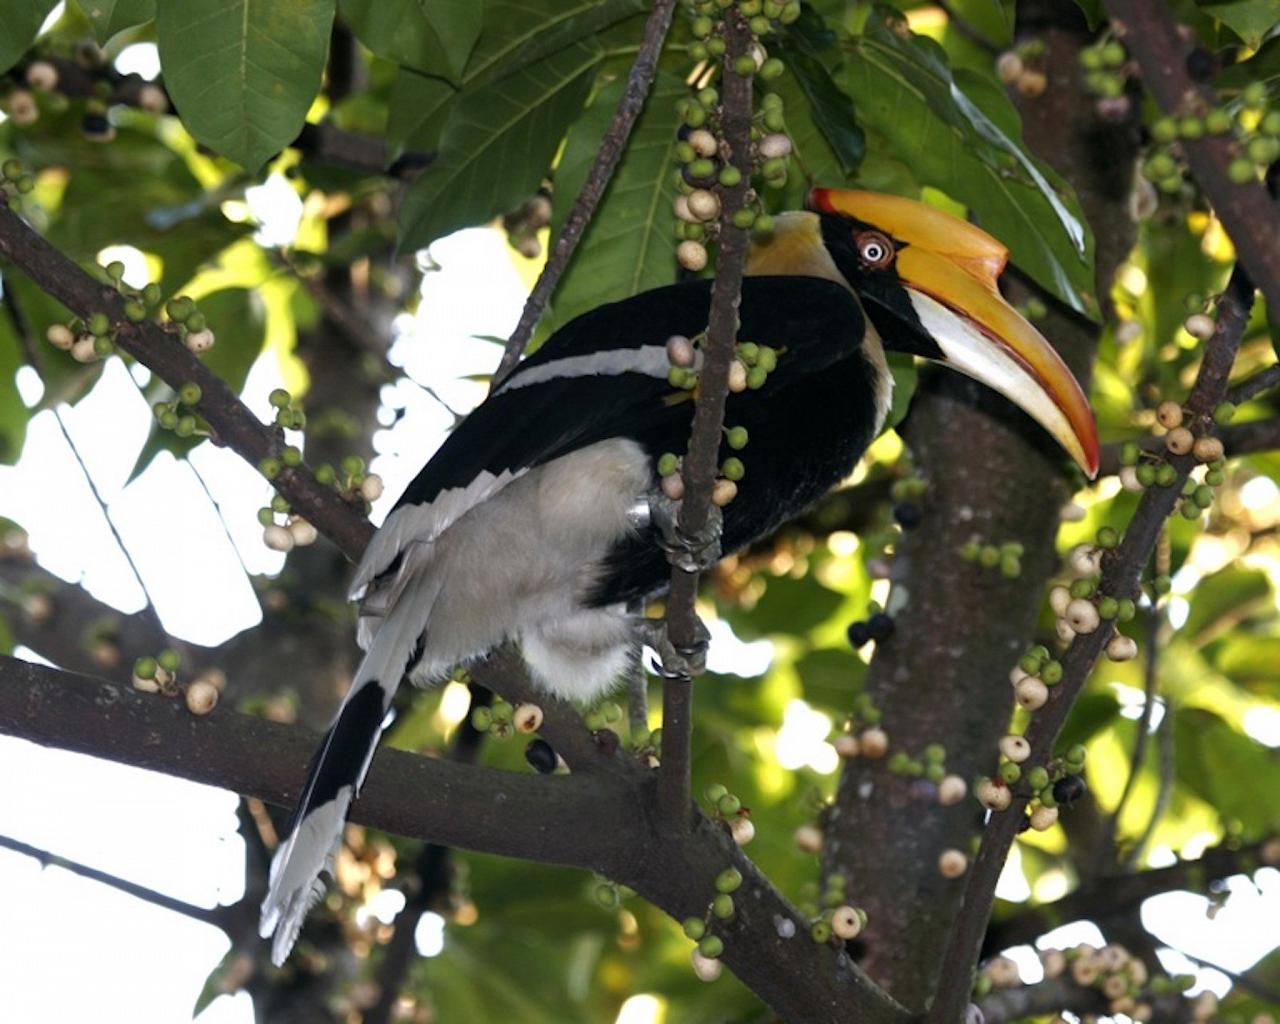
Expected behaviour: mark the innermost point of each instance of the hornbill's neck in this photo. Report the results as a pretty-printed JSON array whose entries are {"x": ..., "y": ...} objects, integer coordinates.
[{"x": 796, "y": 249}]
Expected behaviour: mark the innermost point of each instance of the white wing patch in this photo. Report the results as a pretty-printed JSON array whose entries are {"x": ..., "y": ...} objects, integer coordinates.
[
  {"x": 422, "y": 524},
  {"x": 650, "y": 360}
]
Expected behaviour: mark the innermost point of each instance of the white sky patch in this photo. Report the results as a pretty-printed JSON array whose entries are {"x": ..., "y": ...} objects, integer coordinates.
[
  {"x": 802, "y": 740},
  {"x": 30, "y": 386},
  {"x": 52, "y": 17},
  {"x": 641, "y": 1009},
  {"x": 1259, "y": 493},
  {"x": 136, "y": 274},
  {"x": 1235, "y": 936},
  {"x": 1030, "y": 969},
  {"x": 278, "y": 210},
  {"x": 1068, "y": 935},
  {"x": 1013, "y": 885},
  {"x": 729, "y": 655},
  {"x": 1177, "y": 611},
  {"x": 383, "y": 907},
  {"x": 139, "y": 59},
  {"x": 428, "y": 936},
  {"x": 1132, "y": 701},
  {"x": 1263, "y": 725},
  {"x": 1206, "y": 978}
]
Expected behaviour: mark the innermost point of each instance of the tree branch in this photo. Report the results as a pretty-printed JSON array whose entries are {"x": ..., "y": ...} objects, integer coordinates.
[
  {"x": 1237, "y": 439},
  {"x": 639, "y": 81},
  {"x": 219, "y": 917},
  {"x": 1009, "y": 1005},
  {"x": 161, "y": 352},
  {"x": 602, "y": 821},
  {"x": 1120, "y": 575},
  {"x": 1245, "y": 210},
  {"x": 701, "y": 461}
]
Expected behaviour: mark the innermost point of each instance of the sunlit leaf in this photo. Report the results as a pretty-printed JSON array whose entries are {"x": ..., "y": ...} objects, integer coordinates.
[
  {"x": 628, "y": 245},
  {"x": 1220, "y": 600},
  {"x": 242, "y": 73},
  {"x": 1227, "y": 769},
  {"x": 13, "y": 414}
]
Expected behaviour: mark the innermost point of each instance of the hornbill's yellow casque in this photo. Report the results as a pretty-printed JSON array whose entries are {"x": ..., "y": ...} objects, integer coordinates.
[{"x": 524, "y": 525}]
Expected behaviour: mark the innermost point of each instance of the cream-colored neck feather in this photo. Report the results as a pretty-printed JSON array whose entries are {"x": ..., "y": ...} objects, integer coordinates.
[{"x": 796, "y": 249}]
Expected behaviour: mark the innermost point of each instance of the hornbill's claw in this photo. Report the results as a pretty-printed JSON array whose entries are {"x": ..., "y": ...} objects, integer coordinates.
[
  {"x": 687, "y": 552},
  {"x": 675, "y": 662}
]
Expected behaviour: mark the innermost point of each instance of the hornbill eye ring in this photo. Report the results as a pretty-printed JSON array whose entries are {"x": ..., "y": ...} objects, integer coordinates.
[{"x": 874, "y": 249}]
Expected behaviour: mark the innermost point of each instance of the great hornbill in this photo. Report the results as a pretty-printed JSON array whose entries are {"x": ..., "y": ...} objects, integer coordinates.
[{"x": 524, "y": 524}]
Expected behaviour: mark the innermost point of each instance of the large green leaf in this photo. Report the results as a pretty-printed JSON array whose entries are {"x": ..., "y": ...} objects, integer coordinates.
[
  {"x": 517, "y": 33},
  {"x": 243, "y": 73},
  {"x": 1225, "y": 768},
  {"x": 1220, "y": 600},
  {"x": 1249, "y": 19},
  {"x": 1263, "y": 66},
  {"x": 20, "y": 20},
  {"x": 497, "y": 146},
  {"x": 111, "y": 16},
  {"x": 417, "y": 111},
  {"x": 1249, "y": 661},
  {"x": 810, "y": 51},
  {"x": 628, "y": 246},
  {"x": 433, "y": 36},
  {"x": 959, "y": 134}
]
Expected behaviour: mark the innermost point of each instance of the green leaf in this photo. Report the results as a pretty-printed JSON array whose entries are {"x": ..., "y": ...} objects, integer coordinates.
[
  {"x": 1093, "y": 12},
  {"x": 237, "y": 320},
  {"x": 13, "y": 413},
  {"x": 516, "y": 33},
  {"x": 993, "y": 18},
  {"x": 1263, "y": 66},
  {"x": 830, "y": 109},
  {"x": 497, "y": 146},
  {"x": 1249, "y": 661},
  {"x": 1221, "y": 600},
  {"x": 1249, "y": 19},
  {"x": 433, "y": 36},
  {"x": 787, "y": 606},
  {"x": 417, "y": 110},
  {"x": 628, "y": 246},
  {"x": 111, "y": 16},
  {"x": 20, "y": 20},
  {"x": 831, "y": 676},
  {"x": 243, "y": 73},
  {"x": 1226, "y": 769},
  {"x": 958, "y": 133}
]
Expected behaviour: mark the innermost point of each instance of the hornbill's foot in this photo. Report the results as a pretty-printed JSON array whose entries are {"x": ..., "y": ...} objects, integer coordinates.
[
  {"x": 687, "y": 552},
  {"x": 675, "y": 662}
]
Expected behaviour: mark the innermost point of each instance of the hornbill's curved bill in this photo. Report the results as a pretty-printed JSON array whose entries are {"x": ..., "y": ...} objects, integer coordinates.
[{"x": 524, "y": 524}]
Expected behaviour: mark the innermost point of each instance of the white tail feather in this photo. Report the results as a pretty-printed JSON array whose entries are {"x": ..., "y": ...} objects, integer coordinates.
[{"x": 339, "y": 769}]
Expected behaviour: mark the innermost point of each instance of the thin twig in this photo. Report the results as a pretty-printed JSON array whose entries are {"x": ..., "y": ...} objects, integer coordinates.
[
  {"x": 701, "y": 460},
  {"x": 1251, "y": 985},
  {"x": 614, "y": 142},
  {"x": 216, "y": 916},
  {"x": 150, "y": 610},
  {"x": 1237, "y": 439},
  {"x": 1253, "y": 386},
  {"x": 1120, "y": 575},
  {"x": 1164, "y": 790},
  {"x": 1152, "y": 37}
]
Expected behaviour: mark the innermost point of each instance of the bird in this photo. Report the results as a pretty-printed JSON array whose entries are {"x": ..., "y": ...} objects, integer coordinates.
[{"x": 541, "y": 518}]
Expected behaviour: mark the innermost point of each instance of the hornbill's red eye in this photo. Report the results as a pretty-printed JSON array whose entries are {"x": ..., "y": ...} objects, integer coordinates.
[{"x": 874, "y": 249}]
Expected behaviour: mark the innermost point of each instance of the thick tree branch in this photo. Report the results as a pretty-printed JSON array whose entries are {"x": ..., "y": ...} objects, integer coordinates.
[
  {"x": 1120, "y": 575},
  {"x": 601, "y": 821},
  {"x": 219, "y": 917},
  {"x": 516, "y": 815},
  {"x": 161, "y": 352},
  {"x": 1245, "y": 210},
  {"x": 639, "y": 81}
]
